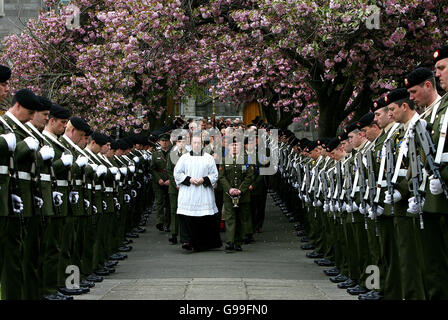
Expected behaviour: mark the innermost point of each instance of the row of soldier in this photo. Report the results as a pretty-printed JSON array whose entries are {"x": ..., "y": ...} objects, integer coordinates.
[
  {"x": 375, "y": 197},
  {"x": 69, "y": 197}
]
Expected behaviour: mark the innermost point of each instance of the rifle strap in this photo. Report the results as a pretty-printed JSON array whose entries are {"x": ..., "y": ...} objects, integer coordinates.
[{"x": 442, "y": 137}]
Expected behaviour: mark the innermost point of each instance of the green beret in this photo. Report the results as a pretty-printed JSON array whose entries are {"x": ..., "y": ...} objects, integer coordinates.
[
  {"x": 397, "y": 95},
  {"x": 45, "y": 104},
  {"x": 378, "y": 104},
  {"x": 27, "y": 99},
  {"x": 351, "y": 127},
  {"x": 366, "y": 120},
  {"x": 81, "y": 124},
  {"x": 417, "y": 76},
  {"x": 333, "y": 144},
  {"x": 311, "y": 146},
  {"x": 164, "y": 137},
  {"x": 5, "y": 73},
  {"x": 343, "y": 136},
  {"x": 99, "y": 138},
  {"x": 114, "y": 145},
  {"x": 441, "y": 53},
  {"x": 323, "y": 141}
]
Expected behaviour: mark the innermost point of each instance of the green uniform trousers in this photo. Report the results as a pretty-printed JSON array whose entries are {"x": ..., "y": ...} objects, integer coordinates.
[
  {"x": 174, "y": 217},
  {"x": 236, "y": 221}
]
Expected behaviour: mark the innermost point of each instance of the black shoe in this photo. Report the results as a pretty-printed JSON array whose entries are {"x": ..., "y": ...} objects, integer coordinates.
[
  {"x": 332, "y": 272},
  {"x": 159, "y": 226},
  {"x": 94, "y": 278},
  {"x": 291, "y": 220},
  {"x": 127, "y": 241},
  {"x": 64, "y": 296},
  {"x": 229, "y": 246},
  {"x": 166, "y": 229},
  {"x": 101, "y": 272},
  {"x": 301, "y": 234},
  {"x": 308, "y": 246},
  {"x": 111, "y": 263},
  {"x": 238, "y": 248},
  {"x": 138, "y": 230},
  {"x": 357, "y": 290},
  {"x": 121, "y": 255},
  {"x": 73, "y": 292},
  {"x": 325, "y": 263},
  {"x": 371, "y": 295},
  {"x": 314, "y": 255},
  {"x": 346, "y": 284},
  {"x": 173, "y": 240},
  {"x": 142, "y": 223},
  {"x": 110, "y": 270},
  {"x": 116, "y": 257},
  {"x": 339, "y": 278},
  {"x": 132, "y": 235},
  {"x": 86, "y": 284},
  {"x": 305, "y": 239},
  {"x": 187, "y": 246},
  {"x": 53, "y": 297},
  {"x": 125, "y": 248}
]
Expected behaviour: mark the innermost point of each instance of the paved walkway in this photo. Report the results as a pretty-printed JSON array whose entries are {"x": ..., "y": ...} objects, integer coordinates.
[{"x": 272, "y": 268}]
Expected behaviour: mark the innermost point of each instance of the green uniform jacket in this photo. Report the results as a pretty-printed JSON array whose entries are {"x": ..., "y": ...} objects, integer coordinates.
[{"x": 239, "y": 176}]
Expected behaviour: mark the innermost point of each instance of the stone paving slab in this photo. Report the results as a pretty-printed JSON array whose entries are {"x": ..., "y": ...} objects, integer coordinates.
[{"x": 272, "y": 268}]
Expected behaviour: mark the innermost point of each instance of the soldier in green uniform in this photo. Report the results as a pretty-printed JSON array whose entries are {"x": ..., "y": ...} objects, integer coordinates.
[
  {"x": 236, "y": 177},
  {"x": 161, "y": 182},
  {"x": 24, "y": 105},
  {"x": 177, "y": 151}
]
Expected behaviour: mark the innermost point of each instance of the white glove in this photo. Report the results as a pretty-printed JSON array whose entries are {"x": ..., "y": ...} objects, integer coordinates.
[
  {"x": 113, "y": 170},
  {"x": 67, "y": 159},
  {"x": 124, "y": 171},
  {"x": 379, "y": 211},
  {"x": 82, "y": 161},
  {"x": 74, "y": 197},
  {"x": 32, "y": 143},
  {"x": 435, "y": 186},
  {"x": 94, "y": 210},
  {"x": 104, "y": 205},
  {"x": 423, "y": 122},
  {"x": 47, "y": 153},
  {"x": 17, "y": 204},
  {"x": 38, "y": 202},
  {"x": 353, "y": 208},
  {"x": 86, "y": 204},
  {"x": 317, "y": 203},
  {"x": 132, "y": 169},
  {"x": 133, "y": 193},
  {"x": 388, "y": 198},
  {"x": 413, "y": 206},
  {"x": 326, "y": 207},
  {"x": 10, "y": 139},
  {"x": 364, "y": 209},
  {"x": 118, "y": 176},
  {"x": 116, "y": 203},
  {"x": 139, "y": 185},
  {"x": 57, "y": 198},
  {"x": 145, "y": 156},
  {"x": 331, "y": 207},
  {"x": 101, "y": 170},
  {"x": 127, "y": 198},
  {"x": 343, "y": 207},
  {"x": 336, "y": 207},
  {"x": 136, "y": 159},
  {"x": 94, "y": 166}
]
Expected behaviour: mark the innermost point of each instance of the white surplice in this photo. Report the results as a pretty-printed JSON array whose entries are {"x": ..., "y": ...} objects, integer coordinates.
[{"x": 195, "y": 200}]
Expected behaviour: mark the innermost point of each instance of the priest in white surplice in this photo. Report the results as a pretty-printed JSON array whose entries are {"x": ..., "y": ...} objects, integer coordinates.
[{"x": 196, "y": 176}]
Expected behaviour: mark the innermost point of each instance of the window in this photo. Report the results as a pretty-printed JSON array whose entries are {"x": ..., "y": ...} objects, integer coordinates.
[{"x": 2, "y": 9}]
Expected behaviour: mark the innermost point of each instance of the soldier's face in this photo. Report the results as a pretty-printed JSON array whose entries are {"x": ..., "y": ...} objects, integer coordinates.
[
  {"x": 355, "y": 138},
  {"x": 165, "y": 144},
  {"x": 421, "y": 94},
  {"x": 347, "y": 146},
  {"x": 4, "y": 89},
  {"x": 442, "y": 73},
  {"x": 236, "y": 148},
  {"x": 395, "y": 112},
  {"x": 105, "y": 148},
  {"x": 59, "y": 125},
  {"x": 40, "y": 119},
  {"x": 196, "y": 144},
  {"x": 381, "y": 118}
]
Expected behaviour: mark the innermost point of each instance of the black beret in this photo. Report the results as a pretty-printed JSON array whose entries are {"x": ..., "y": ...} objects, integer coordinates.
[
  {"x": 417, "y": 76},
  {"x": 441, "y": 53},
  {"x": 333, "y": 144},
  {"x": 114, "y": 145},
  {"x": 350, "y": 128},
  {"x": 81, "y": 124},
  {"x": 294, "y": 141},
  {"x": 303, "y": 143},
  {"x": 130, "y": 140},
  {"x": 366, "y": 120},
  {"x": 311, "y": 146},
  {"x": 99, "y": 138},
  {"x": 343, "y": 136},
  {"x": 397, "y": 95},
  {"x": 323, "y": 141},
  {"x": 288, "y": 133},
  {"x": 45, "y": 104},
  {"x": 27, "y": 99},
  {"x": 5, "y": 73},
  {"x": 59, "y": 112},
  {"x": 378, "y": 104}
]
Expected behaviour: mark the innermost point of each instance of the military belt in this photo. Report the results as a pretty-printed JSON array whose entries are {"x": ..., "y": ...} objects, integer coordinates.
[
  {"x": 45, "y": 177},
  {"x": 89, "y": 186},
  {"x": 98, "y": 187},
  {"x": 24, "y": 175},
  {"x": 78, "y": 182},
  {"x": 140, "y": 171},
  {"x": 402, "y": 172},
  {"x": 62, "y": 183},
  {"x": 444, "y": 157},
  {"x": 108, "y": 189},
  {"x": 4, "y": 170},
  {"x": 120, "y": 184}
]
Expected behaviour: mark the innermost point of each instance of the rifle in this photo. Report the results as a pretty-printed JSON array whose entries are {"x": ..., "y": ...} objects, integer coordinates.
[
  {"x": 339, "y": 186},
  {"x": 331, "y": 191},
  {"x": 348, "y": 185},
  {"x": 390, "y": 168},
  {"x": 36, "y": 186},
  {"x": 363, "y": 186},
  {"x": 299, "y": 180},
  {"x": 13, "y": 184},
  {"x": 315, "y": 187},
  {"x": 307, "y": 183},
  {"x": 417, "y": 175},
  {"x": 323, "y": 180},
  {"x": 372, "y": 187},
  {"x": 426, "y": 143}
]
